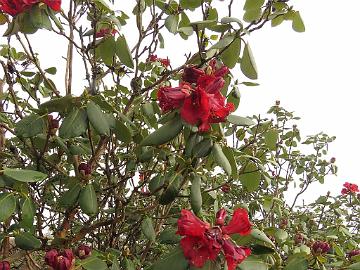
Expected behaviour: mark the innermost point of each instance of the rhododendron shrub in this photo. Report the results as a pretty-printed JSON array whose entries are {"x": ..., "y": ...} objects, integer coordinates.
[{"x": 128, "y": 151}]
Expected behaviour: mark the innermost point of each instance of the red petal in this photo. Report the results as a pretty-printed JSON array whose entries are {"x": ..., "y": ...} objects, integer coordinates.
[
  {"x": 239, "y": 223},
  {"x": 196, "y": 250},
  {"x": 53, "y": 4},
  {"x": 190, "y": 225},
  {"x": 234, "y": 255}
]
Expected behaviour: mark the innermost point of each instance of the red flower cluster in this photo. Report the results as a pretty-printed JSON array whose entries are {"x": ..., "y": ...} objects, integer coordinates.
[
  {"x": 198, "y": 96},
  {"x": 320, "y": 247},
  {"x": 14, "y": 7},
  {"x": 60, "y": 261},
  {"x": 105, "y": 32},
  {"x": 203, "y": 242},
  {"x": 4, "y": 265},
  {"x": 164, "y": 61},
  {"x": 349, "y": 188}
]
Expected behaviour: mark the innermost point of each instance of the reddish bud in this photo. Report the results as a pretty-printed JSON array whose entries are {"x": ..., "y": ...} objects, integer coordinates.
[
  {"x": 277, "y": 103},
  {"x": 83, "y": 251},
  {"x": 220, "y": 217},
  {"x": 105, "y": 32},
  {"x": 332, "y": 160},
  {"x": 63, "y": 263},
  {"x": 225, "y": 188},
  {"x": 299, "y": 238},
  {"x": 67, "y": 253},
  {"x": 165, "y": 62},
  {"x": 84, "y": 168},
  {"x": 353, "y": 253},
  {"x": 283, "y": 223},
  {"x": 4, "y": 265},
  {"x": 320, "y": 247},
  {"x": 51, "y": 257}
]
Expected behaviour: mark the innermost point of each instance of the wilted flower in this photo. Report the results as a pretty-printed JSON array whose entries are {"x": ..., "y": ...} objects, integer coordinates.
[{"x": 201, "y": 242}]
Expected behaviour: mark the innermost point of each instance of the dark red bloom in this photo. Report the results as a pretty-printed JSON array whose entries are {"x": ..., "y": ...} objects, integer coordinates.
[
  {"x": 51, "y": 257},
  {"x": 220, "y": 217},
  {"x": 353, "y": 253},
  {"x": 63, "y": 263},
  {"x": 84, "y": 168},
  {"x": 4, "y": 265},
  {"x": 152, "y": 58},
  {"x": 202, "y": 242},
  {"x": 192, "y": 74},
  {"x": 83, "y": 251},
  {"x": 14, "y": 7},
  {"x": 320, "y": 247},
  {"x": 349, "y": 188},
  {"x": 105, "y": 32},
  {"x": 239, "y": 223},
  {"x": 225, "y": 188},
  {"x": 164, "y": 61},
  {"x": 172, "y": 98}
]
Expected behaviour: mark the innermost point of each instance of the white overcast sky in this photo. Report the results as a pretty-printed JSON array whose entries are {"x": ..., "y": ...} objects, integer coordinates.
[{"x": 315, "y": 74}]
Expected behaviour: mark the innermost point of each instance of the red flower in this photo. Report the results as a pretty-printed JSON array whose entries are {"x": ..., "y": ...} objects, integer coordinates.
[
  {"x": 172, "y": 98},
  {"x": 63, "y": 263},
  {"x": 196, "y": 109},
  {"x": 320, "y": 247},
  {"x": 84, "y": 168},
  {"x": 14, "y": 7},
  {"x": 164, "y": 62},
  {"x": 192, "y": 74},
  {"x": 53, "y": 4},
  {"x": 234, "y": 255},
  {"x": 190, "y": 225},
  {"x": 152, "y": 58},
  {"x": 349, "y": 188},
  {"x": 51, "y": 257},
  {"x": 239, "y": 223},
  {"x": 4, "y": 265},
  {"x": 220, "y": 217},
  {"x": 105, "y": 32},
  {"x": 202, "y": 242}
]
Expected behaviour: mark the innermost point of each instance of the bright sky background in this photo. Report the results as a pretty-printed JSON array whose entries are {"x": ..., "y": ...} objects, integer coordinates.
[{"x": 315, "y": 74}]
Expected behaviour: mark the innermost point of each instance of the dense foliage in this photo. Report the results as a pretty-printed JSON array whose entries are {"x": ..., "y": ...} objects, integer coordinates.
[{"x": 149, "y": 166}]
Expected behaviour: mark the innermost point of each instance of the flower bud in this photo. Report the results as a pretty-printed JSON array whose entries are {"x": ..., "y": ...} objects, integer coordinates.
[
  {"x": 84, "y": 168},
  {"x": 4, "y": 265},
  {"x": 67, "y": 253},
  {"x": 353, "y": 253},
  {"x": 320, "y": 247},
  {"x": 63, "y": 263},
  {"x": 299, "y": 238},
  {"x": 283, "y": 223},
  {"x": 220, "y": 217},
  {"x": 225, "y": 188},
  {"x": 332, "y": 160},
  {"x": 51, "y": 258},
  {"x": 83, "y": 251}
]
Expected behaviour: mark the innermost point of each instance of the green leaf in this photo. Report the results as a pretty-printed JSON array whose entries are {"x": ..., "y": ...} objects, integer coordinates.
[
  {"x": 195, "y": 194},
  {"x": 97, "y": 118},
  {"x": 190, "y": 4},
  {"x": 169, "y": 236},
  {"x": 88, "y": 201},
  {"x": 227, "y": 20},
  {"x": 174, "y": 260},
  {"x": 39, "y": 18},
  {"x": 200, "y": 25},
  {"x": 251, "y": 177},
  {"x": 122, "y": 132},
  {"x": 221, "y": 159},
  {"x": 173, "y": 189},
  {"x": 26, "y": 176},
  {"x": 27, "y": 212},
  {"x": 74, "y": 124},
  {"x": 297, "y": 22},
  {"x": 247, "y": 64},
  {"x": 30, "y": 126},
  {"x": 26, "y": 24},
  {"x": 13, "y": 28},
  {"x": 253, "y": 4},
  {"x": 123, "y": 52},
  {"x": 93, "y": 263},
  {"x": 230, "y": 56},
  {"x": 171, "y": 23},
  {"x": 260, "y": 249},
  {"x": 147, "y": 228},
  {"x": 70, "y": 197},
  {"x": 116, "y": 266},
  {"x": 354, "y": 266},
  {"x": 26, "y": 241},
  {"x": 7, "y": 205},
  {"x": 240, "y": 121},
  {"x": 61, "y": 104},
  {"x": 271, "y": 137},
  {"x": 252, "y": 15},
  {"x": 107, "y": 49},
  {"x": 277, "y": 20},
  {"x": 52, "y": 71},
  {"x": 297, "y": 263},
  {"x": 129, "y": 265},
  {"x": 203, "y": 148},
  {"x": 252, "y": 263},
  {"x": 228, "y": 152},
  {"x": 164, "y": 134},
  {"x": 281, "y": 235}
]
